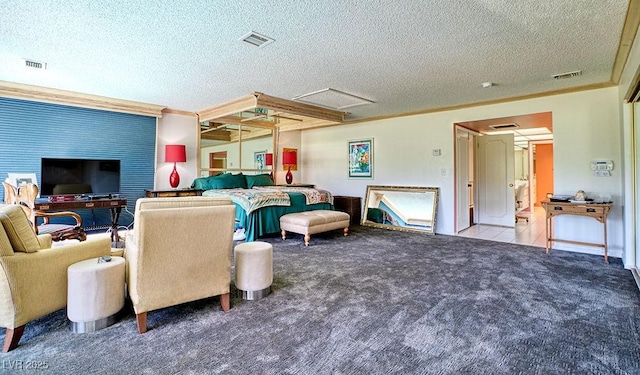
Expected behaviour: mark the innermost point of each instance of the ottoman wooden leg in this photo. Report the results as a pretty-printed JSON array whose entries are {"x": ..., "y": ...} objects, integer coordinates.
[
  {"x": 307, "y": 238},
  {"x": 284, "y": 234},
  {"x": 346, "y": 231}
]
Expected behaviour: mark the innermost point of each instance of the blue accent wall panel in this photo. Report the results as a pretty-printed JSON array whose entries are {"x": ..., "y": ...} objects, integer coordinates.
[{"x": 30, "y": 131}]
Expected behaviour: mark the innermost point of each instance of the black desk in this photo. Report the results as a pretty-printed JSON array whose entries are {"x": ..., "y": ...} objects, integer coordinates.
[{"x": 114, "y": 205}]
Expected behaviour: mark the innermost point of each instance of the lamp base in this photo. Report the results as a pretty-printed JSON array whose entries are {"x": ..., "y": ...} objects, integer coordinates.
[
  {"x": 289, "y": 176},
  {"x": 174, "y": 178}
]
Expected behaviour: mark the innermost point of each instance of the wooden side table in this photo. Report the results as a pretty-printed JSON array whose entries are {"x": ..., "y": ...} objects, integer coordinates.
[
  {"x": 350, "y": 205},
  {"x": 597, "y": 211},
  {"x": 172, "y": 193}
]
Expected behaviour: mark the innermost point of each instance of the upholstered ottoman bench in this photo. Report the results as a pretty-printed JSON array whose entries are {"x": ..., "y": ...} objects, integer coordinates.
[{"x": 312, "y": 222}]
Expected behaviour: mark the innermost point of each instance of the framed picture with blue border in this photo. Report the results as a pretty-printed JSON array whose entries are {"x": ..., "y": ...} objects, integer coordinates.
[{"x": 361, "y": 158}]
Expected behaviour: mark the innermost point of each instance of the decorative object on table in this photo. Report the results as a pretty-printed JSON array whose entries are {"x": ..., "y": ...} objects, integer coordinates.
[
  {"x": 580, "y": 195},
  {"x": 289, "y": 159},
  {"x": 268, "y": 161},
  {"x": 361, "y": 158},
  {"x": 175, "y": 154}
]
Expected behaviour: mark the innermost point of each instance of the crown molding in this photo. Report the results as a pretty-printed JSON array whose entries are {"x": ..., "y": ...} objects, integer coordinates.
[{"x": 75, "y": 99}]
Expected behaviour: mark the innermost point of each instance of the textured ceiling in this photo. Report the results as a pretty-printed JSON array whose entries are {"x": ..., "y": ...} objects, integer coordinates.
[{"x": 406, "y": 56}]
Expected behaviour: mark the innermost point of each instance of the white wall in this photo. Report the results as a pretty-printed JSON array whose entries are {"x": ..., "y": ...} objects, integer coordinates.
[
  {"x": 586, "y": 128},
  {"x": 182, "y": 130}
]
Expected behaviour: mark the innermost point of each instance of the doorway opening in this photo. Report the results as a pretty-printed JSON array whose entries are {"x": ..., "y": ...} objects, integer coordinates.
[
  {"x": 498, "y": 171},
  {"x": 217, "y": 160}
]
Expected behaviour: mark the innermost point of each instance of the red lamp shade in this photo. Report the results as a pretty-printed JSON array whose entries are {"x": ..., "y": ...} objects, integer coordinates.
[
  {"x": 175, "y": 154},
  {"x": 289, "y": 158},
  {"x": 268, "y": 159}
]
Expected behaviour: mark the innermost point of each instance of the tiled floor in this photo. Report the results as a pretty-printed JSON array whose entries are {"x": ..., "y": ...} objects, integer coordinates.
[{"x": 525, "y": 233}]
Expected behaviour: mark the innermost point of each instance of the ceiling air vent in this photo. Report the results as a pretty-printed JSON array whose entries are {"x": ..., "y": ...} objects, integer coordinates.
[
  {"x": 34, "y": 64},
  {"x": 567, "y": 75},
  {"x": 503, "y": 126},
  {"x": 256, "y": 39}
]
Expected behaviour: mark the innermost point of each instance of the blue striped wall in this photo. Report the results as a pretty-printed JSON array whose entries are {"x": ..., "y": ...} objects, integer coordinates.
[{"x": 30, "y": 131}]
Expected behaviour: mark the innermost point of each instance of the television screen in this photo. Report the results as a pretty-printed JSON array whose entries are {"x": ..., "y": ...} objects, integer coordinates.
[{"x": 79, "y": 176}]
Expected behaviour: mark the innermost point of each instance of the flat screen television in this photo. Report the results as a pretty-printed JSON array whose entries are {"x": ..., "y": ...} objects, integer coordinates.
[{"x": 79, "y": 176}]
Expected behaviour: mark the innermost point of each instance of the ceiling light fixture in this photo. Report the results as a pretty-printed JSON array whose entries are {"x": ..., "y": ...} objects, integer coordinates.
[{"x": 486, "y": 85}]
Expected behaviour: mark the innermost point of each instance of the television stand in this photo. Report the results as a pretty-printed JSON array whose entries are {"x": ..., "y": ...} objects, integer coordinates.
[{"x": 114, "y": 205}]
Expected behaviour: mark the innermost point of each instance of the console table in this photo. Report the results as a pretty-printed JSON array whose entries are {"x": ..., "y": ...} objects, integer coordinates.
[
  {"x": 597, "y": 211},
  {"x": 114, "y": 205}
]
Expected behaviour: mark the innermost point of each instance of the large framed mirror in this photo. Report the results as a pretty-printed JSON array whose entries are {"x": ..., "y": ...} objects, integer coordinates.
[
  {"x": 406, "y": 208},
  {"x": 234, "y": 148}
]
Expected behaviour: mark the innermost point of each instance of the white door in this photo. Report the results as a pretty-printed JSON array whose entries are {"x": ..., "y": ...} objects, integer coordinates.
[
  {"x": 495, "y": 180},
  {"x": 462, "y": 180}
]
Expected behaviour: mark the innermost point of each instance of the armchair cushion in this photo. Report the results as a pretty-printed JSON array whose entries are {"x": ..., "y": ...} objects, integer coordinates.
[{"x": 19, "y": 229}]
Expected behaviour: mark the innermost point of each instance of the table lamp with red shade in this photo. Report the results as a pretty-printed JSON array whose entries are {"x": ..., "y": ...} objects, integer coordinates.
[
  {"x": 175, "y": 154},
  {"x": 289, "y": 158}
]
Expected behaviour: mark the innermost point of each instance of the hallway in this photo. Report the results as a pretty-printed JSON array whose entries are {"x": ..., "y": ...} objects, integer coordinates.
[{"x": 525, "y": 233}]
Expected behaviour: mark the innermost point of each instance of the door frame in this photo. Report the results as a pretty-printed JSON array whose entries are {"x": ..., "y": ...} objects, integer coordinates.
[
  {"x": 456, "y": 154},
  {"x": 530, "y": 174}
]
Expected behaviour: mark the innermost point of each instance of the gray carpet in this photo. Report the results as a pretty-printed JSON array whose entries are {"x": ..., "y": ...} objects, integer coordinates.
[{"x": 378, "y": 302}]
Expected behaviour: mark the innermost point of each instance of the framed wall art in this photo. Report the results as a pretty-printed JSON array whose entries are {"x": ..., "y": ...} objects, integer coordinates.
[
  {"x": 361, "y": 158},
  {"x": 259, "y": 159}
]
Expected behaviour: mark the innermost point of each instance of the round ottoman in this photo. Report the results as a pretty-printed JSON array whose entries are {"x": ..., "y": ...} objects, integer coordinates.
[
  {"x": 95, "y": 293},
  {"x": 253, "y": 269}
]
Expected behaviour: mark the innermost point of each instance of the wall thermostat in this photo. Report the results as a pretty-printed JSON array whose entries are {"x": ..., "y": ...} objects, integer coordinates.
[{"x": 602, "y": 165}]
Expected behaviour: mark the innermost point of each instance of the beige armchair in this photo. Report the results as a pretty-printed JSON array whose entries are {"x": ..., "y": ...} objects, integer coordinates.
[
  {"x": 179, "y": 251},
  {"x": 33, "y": 275}
]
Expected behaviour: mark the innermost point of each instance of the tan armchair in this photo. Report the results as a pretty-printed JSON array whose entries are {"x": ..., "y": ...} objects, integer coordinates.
[
  {"x": 179, "y": 251},
  {"x": 33, "y": 275}
]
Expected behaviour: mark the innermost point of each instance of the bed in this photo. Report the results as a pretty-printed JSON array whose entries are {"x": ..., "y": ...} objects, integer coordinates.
[{"x": 259, "y": 204}]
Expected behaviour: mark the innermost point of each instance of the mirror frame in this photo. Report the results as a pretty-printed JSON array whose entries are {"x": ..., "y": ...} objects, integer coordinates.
[{"x": 371, "y": 189}]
